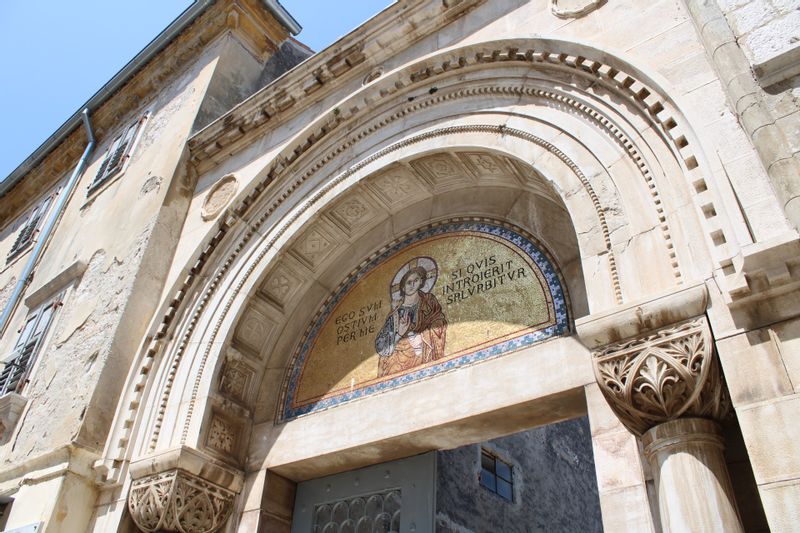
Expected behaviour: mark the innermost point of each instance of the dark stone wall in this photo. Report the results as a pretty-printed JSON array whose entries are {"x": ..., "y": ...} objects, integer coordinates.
[
  {"x": 555, "y": 488},
  {"x": 289, "y": 55}
]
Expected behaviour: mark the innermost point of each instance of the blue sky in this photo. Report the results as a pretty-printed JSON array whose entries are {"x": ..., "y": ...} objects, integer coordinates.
[{"x": 63, "y": 52}]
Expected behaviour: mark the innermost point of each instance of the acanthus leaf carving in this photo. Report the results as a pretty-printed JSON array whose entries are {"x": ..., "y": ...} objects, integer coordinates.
[{"x": 664, "y": 376}]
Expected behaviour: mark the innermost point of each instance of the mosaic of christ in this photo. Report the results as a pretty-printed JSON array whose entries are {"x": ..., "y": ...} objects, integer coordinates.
[
  {"x": 415, "y": 329},
  {"x": 442, "y": 297}
]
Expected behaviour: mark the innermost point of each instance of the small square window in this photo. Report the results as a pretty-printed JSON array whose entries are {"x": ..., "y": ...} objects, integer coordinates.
[{"x": 496, "y": 475}]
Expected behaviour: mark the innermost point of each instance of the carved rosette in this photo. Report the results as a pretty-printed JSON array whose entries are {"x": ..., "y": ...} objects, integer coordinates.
[
  {"x": 670, "y": 374},
  {"x": 177, "y": 501}
]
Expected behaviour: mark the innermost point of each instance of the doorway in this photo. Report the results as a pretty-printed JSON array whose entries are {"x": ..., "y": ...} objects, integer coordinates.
[{"x": 540, "y": 480}]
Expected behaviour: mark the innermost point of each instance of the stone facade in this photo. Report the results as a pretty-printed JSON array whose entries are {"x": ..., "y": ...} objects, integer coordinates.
[{"x": 157, "y": 286}]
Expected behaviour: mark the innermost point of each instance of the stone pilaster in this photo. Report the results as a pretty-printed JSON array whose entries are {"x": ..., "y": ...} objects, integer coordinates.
[{"x": 182, "y": 491}]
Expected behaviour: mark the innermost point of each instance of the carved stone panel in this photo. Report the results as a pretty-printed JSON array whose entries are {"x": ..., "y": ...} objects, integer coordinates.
[
  {"x": 669, "y": 374},
  {"x": 487, "y": 168},
  {"x": 281, "y": 284},
  {"x": 237, "y": 381},
  {"x": 397, "y": 187},
  {"x": 176, "y": 501},
  {"x": 314, "y": 246},
  {"x": 254, "y": 330},
  {"x": 219, "y": 196},
  {"x": 353, "y": 213},
  {"x": 441, "y": 172},
  {"x": 223, "y": 435}
]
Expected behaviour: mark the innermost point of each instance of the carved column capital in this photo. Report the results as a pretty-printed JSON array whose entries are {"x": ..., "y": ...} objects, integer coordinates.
[
  {"x": 667, "y": 374},
  {"x": 181, "y": 491}
]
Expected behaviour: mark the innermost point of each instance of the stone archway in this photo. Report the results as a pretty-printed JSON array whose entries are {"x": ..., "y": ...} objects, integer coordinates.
[{"x": 579, "y": 138}]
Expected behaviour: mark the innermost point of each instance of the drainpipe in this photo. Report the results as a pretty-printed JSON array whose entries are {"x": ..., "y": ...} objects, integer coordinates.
[{"x": 44, "y": 235}]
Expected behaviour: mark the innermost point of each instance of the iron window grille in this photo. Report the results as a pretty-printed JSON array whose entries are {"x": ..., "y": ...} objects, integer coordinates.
[
  {"x": 28, "y": 231},
  {"x": 496, "y": 475},
  {"x": 117, "y": 155},
  {"x": 16, "y": 368}
]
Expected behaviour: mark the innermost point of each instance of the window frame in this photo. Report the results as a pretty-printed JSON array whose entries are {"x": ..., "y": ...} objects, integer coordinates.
[
  {"x": 116, "y": 157},
  {"x": 490, "y": 477},
  {"x": 29, "y": 230},
  {"x": 28, "y": 346}
]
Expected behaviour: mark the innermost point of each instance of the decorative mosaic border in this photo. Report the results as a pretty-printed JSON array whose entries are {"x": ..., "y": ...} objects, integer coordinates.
[{"x": 502, "y": 231}]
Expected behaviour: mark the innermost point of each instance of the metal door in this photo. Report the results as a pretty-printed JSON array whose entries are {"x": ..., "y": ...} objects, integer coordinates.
[{"x": 394, "y": 497}]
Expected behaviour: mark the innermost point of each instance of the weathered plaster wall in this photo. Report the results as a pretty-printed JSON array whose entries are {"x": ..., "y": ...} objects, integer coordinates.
[
  {"x": 124, "y": 232},
  {"x": 554, "y": 484}
]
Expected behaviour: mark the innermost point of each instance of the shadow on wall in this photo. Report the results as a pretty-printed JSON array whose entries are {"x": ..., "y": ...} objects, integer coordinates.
[{"x": 554, "y": 485}]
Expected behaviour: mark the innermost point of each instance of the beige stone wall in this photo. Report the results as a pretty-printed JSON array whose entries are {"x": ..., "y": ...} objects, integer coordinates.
[
  {"x": 766, "y": 408},
  {"x": 122, "y": 235},
  {"x": 763, "y": 28},
  {"x": 702, "y": 210},
  {"x": 621, "y": 153}
]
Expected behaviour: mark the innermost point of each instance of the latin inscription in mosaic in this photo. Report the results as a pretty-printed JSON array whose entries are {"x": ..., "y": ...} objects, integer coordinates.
[{"x": 443, "y": 297}]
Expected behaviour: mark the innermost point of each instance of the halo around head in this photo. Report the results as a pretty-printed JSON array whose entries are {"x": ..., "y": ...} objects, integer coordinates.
[{"x": 431, "y": 273}]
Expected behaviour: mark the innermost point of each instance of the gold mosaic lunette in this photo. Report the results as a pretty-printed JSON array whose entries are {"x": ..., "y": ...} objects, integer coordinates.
[{"x": 444, "y": 293}]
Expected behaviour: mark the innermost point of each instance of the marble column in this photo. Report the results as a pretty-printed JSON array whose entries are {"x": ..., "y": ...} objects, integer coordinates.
[
  {"x": 656, "y": 366},
  {"x": 666, "y": 387},
  {"x": 694, "y": 491}
]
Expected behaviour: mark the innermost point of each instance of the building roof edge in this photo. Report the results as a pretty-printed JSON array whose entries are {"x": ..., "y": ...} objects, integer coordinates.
[{"x": 177, "y": 26}]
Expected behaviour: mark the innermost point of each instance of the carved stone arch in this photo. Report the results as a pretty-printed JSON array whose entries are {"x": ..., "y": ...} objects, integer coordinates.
[
  {"x": 275, "y": 242},
  {"x": 294, "y": 227},
  {"x": 643, "y": 94},
  {"x": 204, "y": 382}
]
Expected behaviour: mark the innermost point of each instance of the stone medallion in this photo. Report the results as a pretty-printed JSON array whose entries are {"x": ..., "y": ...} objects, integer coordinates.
[
  {"x": 219, "y": 196},
  {"x": 569, "y": 9}
]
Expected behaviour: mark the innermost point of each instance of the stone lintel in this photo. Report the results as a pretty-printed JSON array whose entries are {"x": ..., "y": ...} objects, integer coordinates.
[{"x": 51, "y": 287}]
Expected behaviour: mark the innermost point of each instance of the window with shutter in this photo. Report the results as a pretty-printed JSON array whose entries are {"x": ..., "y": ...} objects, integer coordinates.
[
  {"x": 28, "y": 230},
  {"x": 117, "y": 155},
  {"x": 16, "y": 368}
]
